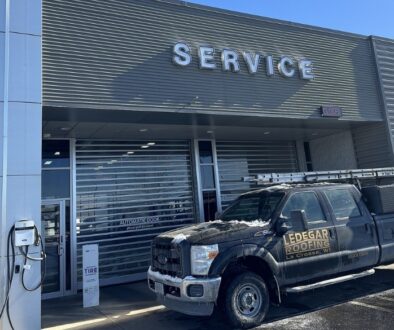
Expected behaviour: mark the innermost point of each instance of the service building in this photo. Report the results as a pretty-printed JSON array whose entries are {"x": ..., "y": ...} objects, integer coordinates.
[{"x": 150, "y": 113}]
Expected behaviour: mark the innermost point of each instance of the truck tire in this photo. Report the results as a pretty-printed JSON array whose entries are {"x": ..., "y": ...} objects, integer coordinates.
[{"x": 246, "y": 301}]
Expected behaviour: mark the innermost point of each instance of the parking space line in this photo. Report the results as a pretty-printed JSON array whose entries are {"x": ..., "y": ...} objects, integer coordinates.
[
  {"x": 76, "y": 324},
  {"x": 357, "y": 303},
  {"x": 145, "y": 310}
]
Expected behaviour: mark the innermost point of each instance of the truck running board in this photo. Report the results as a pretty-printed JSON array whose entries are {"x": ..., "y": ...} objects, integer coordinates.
[{"x": 331, "y": 281}]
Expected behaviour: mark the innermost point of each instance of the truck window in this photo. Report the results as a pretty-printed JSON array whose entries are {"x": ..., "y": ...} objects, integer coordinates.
[
  {"x": 343, "y": 203},
  {"x": 255, "y": 207},
  {"x": 306, "y": 201}
]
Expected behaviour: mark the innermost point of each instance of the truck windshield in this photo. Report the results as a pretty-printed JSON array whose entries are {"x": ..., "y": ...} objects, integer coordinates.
[{"x": 253, "y": 207}]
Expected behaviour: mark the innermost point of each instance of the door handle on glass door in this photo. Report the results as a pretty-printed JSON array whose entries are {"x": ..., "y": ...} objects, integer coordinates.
[{"x": 60, "y": 246}]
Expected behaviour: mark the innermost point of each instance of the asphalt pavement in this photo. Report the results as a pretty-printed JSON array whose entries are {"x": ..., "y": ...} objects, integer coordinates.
[{"x": 366, "y": 303}]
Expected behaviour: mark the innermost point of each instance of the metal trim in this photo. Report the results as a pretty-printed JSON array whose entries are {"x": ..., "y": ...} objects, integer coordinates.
[
  {"x": 3, "y": 220},
  {"x": 217, "y": 179},
  {"x": 199, "y": 185},
  {"x": 73, "y": 220}
]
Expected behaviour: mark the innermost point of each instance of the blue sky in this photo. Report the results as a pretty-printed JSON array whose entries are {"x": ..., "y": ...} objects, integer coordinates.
[{"x": 358, "y": 16}]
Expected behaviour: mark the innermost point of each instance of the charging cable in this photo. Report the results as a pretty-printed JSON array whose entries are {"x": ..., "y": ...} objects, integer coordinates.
[{"x": 11, "y": 268}]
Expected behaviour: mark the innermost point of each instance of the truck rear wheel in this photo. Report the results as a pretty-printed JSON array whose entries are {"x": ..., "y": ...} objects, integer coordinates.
[{"x": 246, "y": 301}]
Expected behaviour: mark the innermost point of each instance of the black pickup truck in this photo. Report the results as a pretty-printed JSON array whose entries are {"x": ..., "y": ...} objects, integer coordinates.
[{"x": 279, "y": 239}]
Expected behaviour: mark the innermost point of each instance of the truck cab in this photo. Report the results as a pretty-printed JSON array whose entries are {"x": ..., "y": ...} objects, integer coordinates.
[{"x": 281, "y": 238}]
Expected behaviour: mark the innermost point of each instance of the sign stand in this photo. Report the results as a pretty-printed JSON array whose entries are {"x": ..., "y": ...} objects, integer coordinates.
[{"x": 91, "y": 288}]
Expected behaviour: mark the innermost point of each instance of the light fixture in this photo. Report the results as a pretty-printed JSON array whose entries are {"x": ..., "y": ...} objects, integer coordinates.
[
  {"x": 145, "y": 147},
  {"x": 65, "y": 128},
  {"x": 315, "y": 133},
  {"x": 209, "y": 132},
  {"x": 130, "y": 152},
  {"x": 47, "y": 135},
  {"x": 57, "y": 153},
  {"x": 267, "y": 133},
  {"x": 143, "y": 129},
  {"x": 48, "y": 162},
  {"x": 151, "y": 143}
]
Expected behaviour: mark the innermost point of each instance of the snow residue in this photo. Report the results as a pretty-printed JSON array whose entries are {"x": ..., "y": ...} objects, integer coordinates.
[
  {"x": 254, "y": 223},
  {"x": 179, "y": 238},
  {"x": 165, "y": 277},
  {"x": 169, "y": 278}
]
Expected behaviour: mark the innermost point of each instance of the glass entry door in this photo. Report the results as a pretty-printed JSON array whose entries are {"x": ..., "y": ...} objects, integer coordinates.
[{"x": 53, "y": 235}]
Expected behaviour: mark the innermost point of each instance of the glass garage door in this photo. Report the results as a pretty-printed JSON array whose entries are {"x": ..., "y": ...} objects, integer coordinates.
[
  {"x": 239, "y": 159},
  {"x": 127, "y": 193}
]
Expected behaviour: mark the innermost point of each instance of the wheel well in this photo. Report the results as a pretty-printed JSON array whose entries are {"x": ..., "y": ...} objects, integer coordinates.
[{"x": 255, "y": 265}]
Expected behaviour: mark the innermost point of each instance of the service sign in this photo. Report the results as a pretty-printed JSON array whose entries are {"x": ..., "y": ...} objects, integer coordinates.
[
  {"x": 231, "y": 59},
  {"x": 90, "y": 268},
  {"x": 306, "y": 244}
]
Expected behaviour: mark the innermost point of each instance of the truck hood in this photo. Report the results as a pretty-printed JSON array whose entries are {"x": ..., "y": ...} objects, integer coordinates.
[{"x": 218, "y": 232}]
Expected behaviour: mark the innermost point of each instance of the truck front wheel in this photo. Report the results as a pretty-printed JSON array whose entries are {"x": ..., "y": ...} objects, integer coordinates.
[{"x": 246, "y": 301}]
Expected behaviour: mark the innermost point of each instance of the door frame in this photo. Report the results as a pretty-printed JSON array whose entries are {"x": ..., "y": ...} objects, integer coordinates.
[
  {"x": 200, "y": 190},
  {"x": 62, "y": 262}
]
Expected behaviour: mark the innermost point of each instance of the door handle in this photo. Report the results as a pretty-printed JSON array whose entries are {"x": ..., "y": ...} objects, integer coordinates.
[
  {"x": 60, "y": 246},
  {"x": 368, "y": 229}
]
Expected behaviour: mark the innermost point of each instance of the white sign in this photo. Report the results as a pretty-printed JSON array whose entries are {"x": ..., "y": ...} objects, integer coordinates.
[
  {"x": 91, "y": 289},
  {"x": 230, "y": 61}
]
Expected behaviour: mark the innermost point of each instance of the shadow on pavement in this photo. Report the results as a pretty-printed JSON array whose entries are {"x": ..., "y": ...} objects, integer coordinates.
[{"x": 117, "y": 301}]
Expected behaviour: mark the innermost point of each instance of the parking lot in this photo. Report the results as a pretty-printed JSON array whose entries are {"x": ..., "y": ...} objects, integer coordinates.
[{"x": 367, "y": 303}]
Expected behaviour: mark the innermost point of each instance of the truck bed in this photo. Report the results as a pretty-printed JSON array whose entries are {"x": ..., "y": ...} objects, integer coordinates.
[{"x": 385, "y": 228}]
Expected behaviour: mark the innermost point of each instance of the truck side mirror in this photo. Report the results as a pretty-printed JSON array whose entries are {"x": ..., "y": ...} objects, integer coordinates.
[
  {"x": 298, "y": 219},
  {"x": 283, "y": 226}
]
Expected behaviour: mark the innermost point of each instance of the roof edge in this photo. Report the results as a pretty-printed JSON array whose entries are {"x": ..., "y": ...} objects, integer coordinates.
[{"x": 270, "y": 20}]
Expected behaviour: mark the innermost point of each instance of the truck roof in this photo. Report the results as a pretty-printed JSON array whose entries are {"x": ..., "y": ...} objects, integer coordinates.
[{"x": 285, "y": 187}]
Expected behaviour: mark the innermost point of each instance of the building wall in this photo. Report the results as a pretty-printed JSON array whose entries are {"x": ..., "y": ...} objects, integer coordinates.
[
  {"x": 334, "y": 152},
  {"x": 118, "y": 55},
  {"x": 372, "y": 146},
  {"x": 20, "y": 146}
]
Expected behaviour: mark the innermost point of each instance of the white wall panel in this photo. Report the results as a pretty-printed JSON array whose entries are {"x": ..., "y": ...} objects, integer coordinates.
[{"x": 25, "y": 68}]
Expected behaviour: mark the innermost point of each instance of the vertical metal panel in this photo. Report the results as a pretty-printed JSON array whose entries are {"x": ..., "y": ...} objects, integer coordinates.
[
  {"x": 372, "y": 147},
  {"x": 384, "y": 56},
  {"x": 128, "y": 194},
  {"x": 238, "y": 159},
  {"x": 116, "y": 54}
]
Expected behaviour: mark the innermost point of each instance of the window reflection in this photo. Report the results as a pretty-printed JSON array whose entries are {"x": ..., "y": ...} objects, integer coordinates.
[
  {"x": 55, "y": 184},
  {"x": 55, "y": 153}
]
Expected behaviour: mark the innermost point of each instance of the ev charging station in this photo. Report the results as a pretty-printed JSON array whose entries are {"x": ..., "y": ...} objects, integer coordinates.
[{"x": 21, "y": 247}]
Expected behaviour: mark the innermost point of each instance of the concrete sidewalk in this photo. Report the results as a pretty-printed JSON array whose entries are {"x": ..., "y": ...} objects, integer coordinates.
[{"x": 359, "y": 304}]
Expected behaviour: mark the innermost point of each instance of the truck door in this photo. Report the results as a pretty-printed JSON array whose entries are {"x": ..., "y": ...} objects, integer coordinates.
[
  {"x": 357, "y": 237},
  {"x": 312, "y": 253}
]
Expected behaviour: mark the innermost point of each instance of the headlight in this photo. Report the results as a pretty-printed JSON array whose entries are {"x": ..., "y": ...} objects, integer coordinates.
[{"x": 202, "y": 257}]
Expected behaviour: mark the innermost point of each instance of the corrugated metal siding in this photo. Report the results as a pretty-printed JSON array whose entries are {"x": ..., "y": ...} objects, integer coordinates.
[
  {"x": 372, "y": 146},
  {"x": 384, "y": 54},
  {"x": 126, "y": 195},
  {"x": 116, "y": 54},
  {"x": 239, "y": 159}
]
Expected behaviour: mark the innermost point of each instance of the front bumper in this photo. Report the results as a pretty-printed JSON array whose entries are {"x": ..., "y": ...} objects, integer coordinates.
[{"x": 174, "y": 293}]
